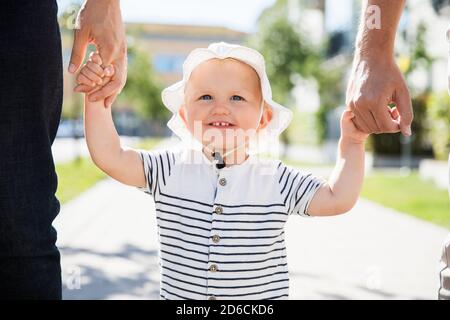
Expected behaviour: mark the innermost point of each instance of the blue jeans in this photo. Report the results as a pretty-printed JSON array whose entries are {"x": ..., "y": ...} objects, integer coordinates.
[{"x": 31, "y": 87}]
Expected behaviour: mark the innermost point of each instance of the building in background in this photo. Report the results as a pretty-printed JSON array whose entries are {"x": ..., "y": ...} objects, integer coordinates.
[{"x": 169, "y": 45}]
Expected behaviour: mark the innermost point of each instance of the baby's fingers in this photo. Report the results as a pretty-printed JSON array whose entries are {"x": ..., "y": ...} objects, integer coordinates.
[
  {"x": 89, "y": 74},
  {"x": 95, "y": 57},
  {"x": 95, "y": 64},
  {"x": 97, "y": 69},
  {"x": 348, "y": 114},
  {"x": 85, "y": 88},
  {"x": 394, "y": 113},
  {"x": 82, "y": 79}
]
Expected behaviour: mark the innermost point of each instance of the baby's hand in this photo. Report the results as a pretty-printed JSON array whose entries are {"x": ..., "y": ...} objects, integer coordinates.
[
  {"x": 92, "y": 75},
  {"x": 349, "y": 131}
]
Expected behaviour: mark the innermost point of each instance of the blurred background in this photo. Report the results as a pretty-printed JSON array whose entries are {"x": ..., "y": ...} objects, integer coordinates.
[{"x": 387, "y": 247}]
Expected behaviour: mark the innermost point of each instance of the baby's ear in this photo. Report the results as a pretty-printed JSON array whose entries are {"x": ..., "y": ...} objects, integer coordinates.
[
  {"x": 266, "y": 117},
  {"x": 182, "y": 113}
]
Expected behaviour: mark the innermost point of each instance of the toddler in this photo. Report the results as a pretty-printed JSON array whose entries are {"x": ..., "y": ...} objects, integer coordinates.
[{"x": 220, "y": 210}]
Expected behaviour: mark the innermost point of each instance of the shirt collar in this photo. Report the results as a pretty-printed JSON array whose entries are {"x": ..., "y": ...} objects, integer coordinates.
[{"x": 197, "y": 156}]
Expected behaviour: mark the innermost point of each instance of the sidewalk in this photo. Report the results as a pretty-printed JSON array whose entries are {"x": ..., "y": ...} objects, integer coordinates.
[{"x": 108, "y": 241}]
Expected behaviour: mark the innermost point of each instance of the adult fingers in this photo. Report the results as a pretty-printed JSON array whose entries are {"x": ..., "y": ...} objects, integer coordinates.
[
  {"x": 109, "y": 89},
  {"x": 364, "y": 106},
  {"x": 405, "y": 110},
  {"x": 114, "y": 86},
  {"x": 358, "y": 120},
  {"x": 111, "y": 49},
  {"x": 384, "y": 119},
  {"x": 376, "y": 122},
  {"x": 110, "y": 100}
]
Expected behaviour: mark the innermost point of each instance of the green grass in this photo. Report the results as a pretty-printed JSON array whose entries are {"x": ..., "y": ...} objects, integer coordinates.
[
  {"x": 409, "y": 194},
  {"x": 77, "y": 176},
  {"x": 148, "y": 143}
]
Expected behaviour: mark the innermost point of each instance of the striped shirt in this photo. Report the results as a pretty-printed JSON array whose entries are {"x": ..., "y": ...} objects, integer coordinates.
[{"x": 221, "y": 231}]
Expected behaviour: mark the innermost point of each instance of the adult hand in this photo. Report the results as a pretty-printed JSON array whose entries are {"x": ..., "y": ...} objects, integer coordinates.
[
  {"x": 100, "y": 22},
  {"x": 376, "y": 82}
]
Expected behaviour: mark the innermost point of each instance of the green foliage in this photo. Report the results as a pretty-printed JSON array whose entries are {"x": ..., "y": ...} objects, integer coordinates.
[
  {"x": 288, "y": 52},
  {"x": 148, "y": 143},
  {"x": 331, "y": 91},
  {"x": 438, "y": 114},
  {"x": 142, "y": 90},
  {"x": 418, "y": 55},
  {"x": 303, "y": 129}
]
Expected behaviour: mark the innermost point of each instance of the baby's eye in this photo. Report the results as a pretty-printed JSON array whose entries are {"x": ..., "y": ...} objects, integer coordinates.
[
  {"x": 206, "y": 97},
  {"x": 237, "y": 98}
]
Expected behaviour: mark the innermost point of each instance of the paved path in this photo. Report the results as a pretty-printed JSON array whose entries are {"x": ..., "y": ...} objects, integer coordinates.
[{"x": 108, "y": 240}]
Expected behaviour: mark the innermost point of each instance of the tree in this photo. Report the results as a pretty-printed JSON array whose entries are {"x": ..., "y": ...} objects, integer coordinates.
[
  {"x": 285, "y": 50},
  {"x": 142, "y": 90},
  {"x": 287, "y": 53}
]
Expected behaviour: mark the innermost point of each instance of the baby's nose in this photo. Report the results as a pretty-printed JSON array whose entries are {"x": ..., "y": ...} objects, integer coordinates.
[{"x": 221, "y": 108}]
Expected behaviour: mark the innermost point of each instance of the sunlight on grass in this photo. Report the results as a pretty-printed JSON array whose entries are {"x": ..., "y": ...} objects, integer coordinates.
[
  {"x": 148, "y": 143},
  {"x": 409, "y": 194},
  {"x": 77, "y": 176}
]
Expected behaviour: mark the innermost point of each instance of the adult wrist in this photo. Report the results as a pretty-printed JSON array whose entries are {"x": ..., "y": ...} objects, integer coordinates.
[
  {"x": 372, "y": 60},
  {"x": 373, "y": 52},
  {"x": 375, "y": 44}
]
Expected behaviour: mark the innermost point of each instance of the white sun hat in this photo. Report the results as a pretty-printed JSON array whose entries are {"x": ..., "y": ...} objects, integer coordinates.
[{"x": 173, "y": 96}]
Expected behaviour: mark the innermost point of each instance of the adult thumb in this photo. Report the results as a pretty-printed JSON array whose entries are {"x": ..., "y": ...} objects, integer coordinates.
[
  {"x": 108, "y": 51},
  {"x": 80, "y": 43}
]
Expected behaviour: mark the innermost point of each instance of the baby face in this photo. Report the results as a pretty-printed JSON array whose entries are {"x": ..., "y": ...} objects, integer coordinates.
[{"x": 223, "y": 102}]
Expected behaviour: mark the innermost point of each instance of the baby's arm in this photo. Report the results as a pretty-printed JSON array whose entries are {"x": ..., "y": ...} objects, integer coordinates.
[
  {"x": 341, "y": 192},
  {"x": 124, "y": 165}
]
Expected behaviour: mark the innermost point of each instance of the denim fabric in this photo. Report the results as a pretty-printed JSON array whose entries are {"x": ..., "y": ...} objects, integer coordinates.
[{"x": 31, "y": 86}]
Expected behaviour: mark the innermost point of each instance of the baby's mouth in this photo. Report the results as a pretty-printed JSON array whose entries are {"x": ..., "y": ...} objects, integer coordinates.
[{"x": 221, "y": 124}]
